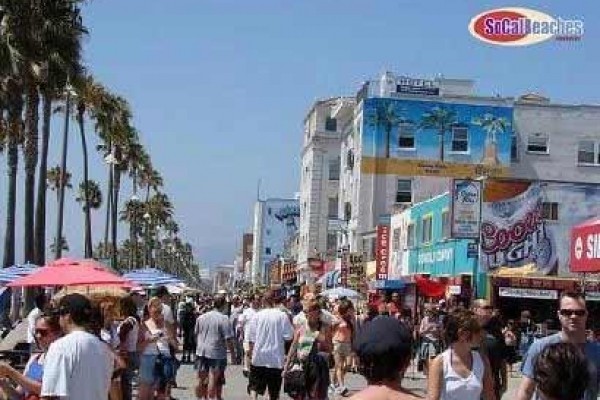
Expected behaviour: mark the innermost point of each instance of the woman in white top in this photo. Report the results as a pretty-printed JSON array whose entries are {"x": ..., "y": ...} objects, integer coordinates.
[
  {"x": 128, "y": 331},
  {"x": 461, "y": 373},
  {"x": 156, "y": 363}
]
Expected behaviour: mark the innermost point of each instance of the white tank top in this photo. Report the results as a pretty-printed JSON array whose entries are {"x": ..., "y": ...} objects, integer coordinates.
[{"x": 455, "y": 387}]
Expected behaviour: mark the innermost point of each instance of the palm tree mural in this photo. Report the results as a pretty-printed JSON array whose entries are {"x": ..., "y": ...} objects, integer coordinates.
[
  {"x": 90, "y": 198},
  {"x": 493, "y": 126},
  {"x": 441, "y": 120},
  {"x": 386, "y": 116}
]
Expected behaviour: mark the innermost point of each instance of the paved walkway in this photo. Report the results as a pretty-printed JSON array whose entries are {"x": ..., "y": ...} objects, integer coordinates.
[{"x": 235, "y": 388}]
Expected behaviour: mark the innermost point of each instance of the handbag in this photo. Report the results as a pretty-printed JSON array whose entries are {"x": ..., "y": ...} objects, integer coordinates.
[{"x": 294, "y": 381}]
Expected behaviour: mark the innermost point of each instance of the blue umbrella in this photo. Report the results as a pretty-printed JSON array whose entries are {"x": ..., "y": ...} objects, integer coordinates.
[{"x": 15, "y": 272}]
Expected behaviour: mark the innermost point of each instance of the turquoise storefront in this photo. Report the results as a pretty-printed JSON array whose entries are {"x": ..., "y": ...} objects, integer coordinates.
[{"x": 431, "y": 249}]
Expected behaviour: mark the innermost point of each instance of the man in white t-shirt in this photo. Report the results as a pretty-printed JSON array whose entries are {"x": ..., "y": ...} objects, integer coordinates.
[
  {"x": 243, "y": 324},
  {"x": 78, "y": 365},
  {"x": 32, "y": 317},
  {"x": 268, "y": 332}
]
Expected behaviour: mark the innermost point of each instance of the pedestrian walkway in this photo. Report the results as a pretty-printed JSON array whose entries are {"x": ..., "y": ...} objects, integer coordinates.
[{"x": 235, "y": 389}]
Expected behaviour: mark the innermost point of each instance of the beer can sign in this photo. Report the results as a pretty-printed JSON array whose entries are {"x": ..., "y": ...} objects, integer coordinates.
[{"x": 466, "y": 208}]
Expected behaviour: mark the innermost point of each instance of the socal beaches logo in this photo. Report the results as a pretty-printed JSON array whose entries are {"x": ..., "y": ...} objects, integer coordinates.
[{"x": 515, "y": 26}]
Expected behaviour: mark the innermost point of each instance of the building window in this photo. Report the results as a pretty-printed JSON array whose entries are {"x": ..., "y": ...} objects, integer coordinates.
[
  {"x": 538, "y": 143},
  {"x": 550, "y": 211},
  {"x": 406, "y": 136},
  {"x": 331, "y": 242},
  {"x": 514, "y": 148},
  {"x": 427, "y": 230},
  {"x": 460, "y": 140},
  {"x": 332, "y": 207},
  {"x": 587, "y": 153},
  {"x": 445, "y": 224},
  {"x": 347, "y": 211},
  {"x": 268, "y": 251},
  {"x": 334, "y": 169},
  {"x": 410, "y": 233},
  {"x": 350, "y": 159},
  {"x": 396, "y": 239},
  {"x": 404, "y": 191},
  {"x": 331, "y": 124}
]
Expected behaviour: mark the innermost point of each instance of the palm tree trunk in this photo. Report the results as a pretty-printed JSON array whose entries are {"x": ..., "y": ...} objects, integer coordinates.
[
  {"x": 115, "y": 213},
  {"x": 388, "y": 133},
  {"x": 40, "y": 211},
  {"x": 86, "y": 207},
  {"x": 62, "y": 180},
  {"x": 15, "y": 106},
  {"x": 441, "y": 135},
  {"x": 109, "y": 197},
  {"x": 30, "y": 154}
]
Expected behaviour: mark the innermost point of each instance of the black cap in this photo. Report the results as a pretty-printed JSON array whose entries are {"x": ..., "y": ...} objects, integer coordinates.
[
  {"x": 77, "y": 306},
  {"x": 383, "y": 335}
]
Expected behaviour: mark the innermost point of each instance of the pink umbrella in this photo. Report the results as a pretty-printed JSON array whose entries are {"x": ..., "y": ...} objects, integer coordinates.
[{"x": 69, "y": 272}]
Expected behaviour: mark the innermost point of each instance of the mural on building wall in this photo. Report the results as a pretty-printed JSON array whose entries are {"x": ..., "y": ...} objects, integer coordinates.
[
  {"x": 527, "y": 225},
  {"x": 409, "y": 137},
  {"x": 281, "y": 222}
]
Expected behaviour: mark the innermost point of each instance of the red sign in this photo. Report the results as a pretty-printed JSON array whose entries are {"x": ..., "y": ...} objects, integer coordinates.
[
  {"x": 585, "y": 247},
  {"x": 382, "y": 251}
]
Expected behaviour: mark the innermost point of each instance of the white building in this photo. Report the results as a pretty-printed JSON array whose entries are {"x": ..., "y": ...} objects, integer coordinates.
[
  {"x": 275, "y": 222},
  {"x": 324, "y": 125},
  {"x": 383, "y": 175}
]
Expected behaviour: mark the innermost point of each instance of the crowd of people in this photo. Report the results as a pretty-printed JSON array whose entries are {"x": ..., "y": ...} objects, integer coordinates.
[{"x": 304, "y": 347}]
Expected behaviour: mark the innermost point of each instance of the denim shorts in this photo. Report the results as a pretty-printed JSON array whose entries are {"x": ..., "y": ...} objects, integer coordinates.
[
  {"x": 205, "y": 364},
  {"x": 148, "y": 373}
]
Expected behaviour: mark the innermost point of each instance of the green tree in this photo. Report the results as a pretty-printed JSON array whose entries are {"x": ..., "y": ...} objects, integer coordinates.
[
  {"x": 90, "y": 198},
  {"x": 441, "y": 120},
  {"x": 64, "y": 245}
]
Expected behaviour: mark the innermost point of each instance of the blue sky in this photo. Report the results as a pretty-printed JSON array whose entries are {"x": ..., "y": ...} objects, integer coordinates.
[{"x": 219, "y": 88}]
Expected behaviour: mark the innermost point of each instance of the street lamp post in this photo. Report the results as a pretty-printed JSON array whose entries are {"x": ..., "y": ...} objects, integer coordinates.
[{"x": 147, "y": 218}]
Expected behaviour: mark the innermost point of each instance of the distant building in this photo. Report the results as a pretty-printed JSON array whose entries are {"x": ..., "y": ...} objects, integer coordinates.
[
  {"x": 324, "y": 125},
  {"x": 275, "y": 222},
  {"x": 247, "y": 246}
]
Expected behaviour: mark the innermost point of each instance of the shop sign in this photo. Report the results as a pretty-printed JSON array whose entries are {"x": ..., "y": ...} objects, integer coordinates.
[
  {"x": 435, "y": 256},
  {"x": 472, "y": 250},
  {"x": 592, "y": 296},
  {"x": 466, "y": 208},
  {"x": 417, "y": 86},
  {"x": 454, "y": 290},
  {"x": 528, "y": 293},
  {"x": 382, "y": 251},
  {"x": 585, "y": 247}
]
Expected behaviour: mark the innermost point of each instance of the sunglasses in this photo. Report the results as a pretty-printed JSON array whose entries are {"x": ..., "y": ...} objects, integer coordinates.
[{"x": 568, "y": 313}]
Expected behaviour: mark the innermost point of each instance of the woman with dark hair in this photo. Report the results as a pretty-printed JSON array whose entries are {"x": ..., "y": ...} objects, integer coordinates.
[
  {"x": 128, "y": 331},
  {"x": 561, "y": 372},
  {"x": 343, "y": 332},
  {"x": 25, "y": 385},
  {"x": 384, "y": 350},
  {"x": 460, "y": 372},
  {"x": 310, "y": 348}
]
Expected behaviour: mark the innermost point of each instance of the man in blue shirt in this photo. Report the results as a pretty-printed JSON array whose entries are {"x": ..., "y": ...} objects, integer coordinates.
[{"x": 573, "y": 315}]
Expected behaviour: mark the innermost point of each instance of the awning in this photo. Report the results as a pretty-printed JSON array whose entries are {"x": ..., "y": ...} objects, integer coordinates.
[
  {"x": 430, "y": 288},
  {"x": 525, "y": 270}
]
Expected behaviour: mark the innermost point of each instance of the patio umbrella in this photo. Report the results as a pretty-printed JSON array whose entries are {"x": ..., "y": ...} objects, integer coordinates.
[
  {"x": 13, "y": 273},
  {"x": 341, "y": 292},
  {"x": 69, "y": 272}
]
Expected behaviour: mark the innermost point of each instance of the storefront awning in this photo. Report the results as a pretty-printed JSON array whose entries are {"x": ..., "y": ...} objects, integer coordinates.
[{"x": 430, "y": 288}]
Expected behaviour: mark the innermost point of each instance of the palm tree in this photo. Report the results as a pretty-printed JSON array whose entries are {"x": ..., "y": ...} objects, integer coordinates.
[
  {"x": 64, "y": 246},
  {"x": 133, "y": 214},
  {"x": 441, "y": 120},
  {"x": 493, "y": 126},
  {"x": 90, "y": 197},
  {"x": 150, "y": 179},
  {"x": 56, "y": 179},
  {"x": 387, "y": 117}
]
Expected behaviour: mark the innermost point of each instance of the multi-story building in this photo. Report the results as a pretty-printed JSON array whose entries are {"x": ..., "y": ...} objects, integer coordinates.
[
  {"x": 247, "y": 244},
  {"x": 412, "y": 136},
  {"x": 275, "y": 222},
  {"x": 324, "y": 125}
]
